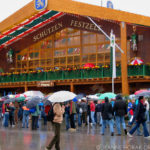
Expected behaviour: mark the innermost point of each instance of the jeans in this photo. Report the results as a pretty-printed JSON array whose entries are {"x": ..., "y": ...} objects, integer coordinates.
[
  {"x": 67, "y": 121},
  {"x": 79, "y": 119},
  {"x": 92, "y": 117},
  {"x": 6, "y": 119},
  {"x": 56, "y": 138},
  {"x": 72, "y": 121},
  {"x": 137, "y": 126},
  {"x": 131, "y": 123},
  {"x": 147, "y": 115},
  {"x": 25, "y": 120},
  {"x": 84, "y": 118},
  {"x": 120, "y": 120},
  {"x": 104, "y": 123},
  {"x": 34, "y": 122},
  {"x": 99, "y": 118}
]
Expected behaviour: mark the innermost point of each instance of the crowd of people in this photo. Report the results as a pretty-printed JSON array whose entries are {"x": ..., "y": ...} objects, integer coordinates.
[{"x": 108, "y": 113}]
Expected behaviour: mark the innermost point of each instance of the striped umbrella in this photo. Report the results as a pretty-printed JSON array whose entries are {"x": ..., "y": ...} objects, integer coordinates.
[{"x": 136, "y": 61}]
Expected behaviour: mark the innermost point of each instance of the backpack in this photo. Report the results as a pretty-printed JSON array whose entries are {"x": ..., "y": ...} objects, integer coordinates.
[
  {"x": 50, "y": 116},
  {"x": 32, "y": 110}
]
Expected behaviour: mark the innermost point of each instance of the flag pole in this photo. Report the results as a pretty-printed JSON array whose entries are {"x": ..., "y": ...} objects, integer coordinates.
[{"x": 116, "y": 45}]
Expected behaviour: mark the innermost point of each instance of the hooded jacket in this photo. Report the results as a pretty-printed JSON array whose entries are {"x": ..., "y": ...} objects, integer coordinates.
[
  {"x": 58, "y": 113},
  {"x": 106, "y": 110},
  {"x": 120, "y": 107}
]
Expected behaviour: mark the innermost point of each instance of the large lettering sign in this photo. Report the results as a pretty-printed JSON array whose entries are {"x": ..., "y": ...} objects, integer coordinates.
[
  {"x": 83, "y": 25},
  {"x": 71, "y": 22},
  {"x": 48, "y": 31}
]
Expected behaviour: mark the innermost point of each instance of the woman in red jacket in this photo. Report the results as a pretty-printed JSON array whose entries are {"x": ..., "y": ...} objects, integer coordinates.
[{"x": 92, "y": 108}]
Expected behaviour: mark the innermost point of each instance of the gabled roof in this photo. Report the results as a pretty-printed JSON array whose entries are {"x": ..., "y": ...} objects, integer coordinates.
[
  {"x": 28, "y": 26},
  {"x": 27, "y": 19}
]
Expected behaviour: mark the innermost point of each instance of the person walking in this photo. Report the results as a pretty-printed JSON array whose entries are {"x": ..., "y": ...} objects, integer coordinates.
[
  {"x": 6, "y": 115},
  {"x": 25, "y": 121},
  {"x": 107, "y": 115},
  {"x": 72, "y": 113},
  {"x": 67, "y": 115},
  {"x": 120, "y": 110},
  {"x": 58, "y": 118},
  {"x": 84, "y": 108},
  {"x": 98, "y": 112},
  {"x": 11, "y": 114},
  {"x": 35, "y": 116},
  {"x": 140, "y": 118},
  {"x": 147, "y": 111},
  {"x": 92, "y": 109}
]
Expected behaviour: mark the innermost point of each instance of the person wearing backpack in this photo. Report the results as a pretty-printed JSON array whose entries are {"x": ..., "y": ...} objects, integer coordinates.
[{"x": 58, "y": 111}]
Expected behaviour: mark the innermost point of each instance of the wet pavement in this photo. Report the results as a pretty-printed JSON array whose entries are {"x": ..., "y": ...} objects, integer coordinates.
[{"x": 85, "y": 138}]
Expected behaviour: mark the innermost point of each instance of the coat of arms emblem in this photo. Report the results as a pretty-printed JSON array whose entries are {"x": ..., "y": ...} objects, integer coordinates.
[{"x": 40, "y": 4}]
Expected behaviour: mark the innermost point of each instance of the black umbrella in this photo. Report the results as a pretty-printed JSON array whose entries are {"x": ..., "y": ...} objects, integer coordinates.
[
  {"x": 33, "y": 101},
  {"x": 47, "y": 103}
]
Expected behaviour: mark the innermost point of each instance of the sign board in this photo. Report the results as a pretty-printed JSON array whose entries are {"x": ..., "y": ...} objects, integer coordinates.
[
  {"x": 45, "y": 84},
  {"x": 40, "y": 4},
  {"x": 132, "y": 6}
]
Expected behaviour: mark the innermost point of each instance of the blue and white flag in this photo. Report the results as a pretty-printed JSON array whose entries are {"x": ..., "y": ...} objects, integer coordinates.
[{"x": 112, "y": 44}]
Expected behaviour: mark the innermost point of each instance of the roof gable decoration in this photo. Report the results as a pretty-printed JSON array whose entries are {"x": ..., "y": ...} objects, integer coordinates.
[
  {"x": 40, "y": 4},
  {"x": 28, "y": 26}
]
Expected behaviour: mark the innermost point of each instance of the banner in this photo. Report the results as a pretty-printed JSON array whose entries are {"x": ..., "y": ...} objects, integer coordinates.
[{"x": 112, "y": 44}]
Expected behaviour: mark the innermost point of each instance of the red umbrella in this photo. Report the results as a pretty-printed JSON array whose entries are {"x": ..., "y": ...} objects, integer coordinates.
[
  {"x": 89, "y": 65},
  {"x": 136, "y": 61},
  {"x": 140, "y": 91}
]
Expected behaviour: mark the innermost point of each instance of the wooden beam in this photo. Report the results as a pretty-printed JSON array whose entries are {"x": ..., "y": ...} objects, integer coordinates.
[
  {"x": 71, "y": 87},
  {"x": 124, "y": 71},
  {"x": 25, "y": 87},
  {"x": 70, "y": 6}
]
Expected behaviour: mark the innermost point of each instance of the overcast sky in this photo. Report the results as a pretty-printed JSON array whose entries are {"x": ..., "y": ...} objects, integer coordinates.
[{"x": 8, "y": 7}]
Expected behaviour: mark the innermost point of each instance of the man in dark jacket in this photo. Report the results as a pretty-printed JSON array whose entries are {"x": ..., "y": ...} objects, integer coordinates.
[
  {"x": 98, "y": 113},
  {"x": 120, "y": 110},
  {"x": 140, "y": 118},
  {"x": 107, "y": 114}
]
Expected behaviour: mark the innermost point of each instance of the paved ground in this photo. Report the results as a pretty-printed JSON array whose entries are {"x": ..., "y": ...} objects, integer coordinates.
[{"x": 88, "y": 138}]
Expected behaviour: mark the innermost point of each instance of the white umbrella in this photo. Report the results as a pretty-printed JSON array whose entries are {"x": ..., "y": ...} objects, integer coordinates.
[
  {"x": 34, "y": 93},
  {"x": 93, "y": 97},
  {"x": 62, "y": 96}
]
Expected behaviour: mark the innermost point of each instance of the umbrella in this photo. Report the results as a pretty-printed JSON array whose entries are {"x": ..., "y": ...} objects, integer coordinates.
[
  {"x": 80, "y": 96},
  {"x": 7, "y": 101},
  {"x": 136, "y": 61},
  {"x": 109, "y": 95},
  {"x": 34, "y": 93},
  {"x": 47, "y": 103},
  {"x": 132, "y": 96},
  {"x": 93, "y": 97},
  {"x": 4, "y": 98},
  {"x": 20, "y": 95},
  {"x": 33, "y": 101},
  {"x": 145, "y": 94},
  {"x": 89, "y": 65},
  {"x": 62, "y": 96},
  {"x": 140, "y": 91}
]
